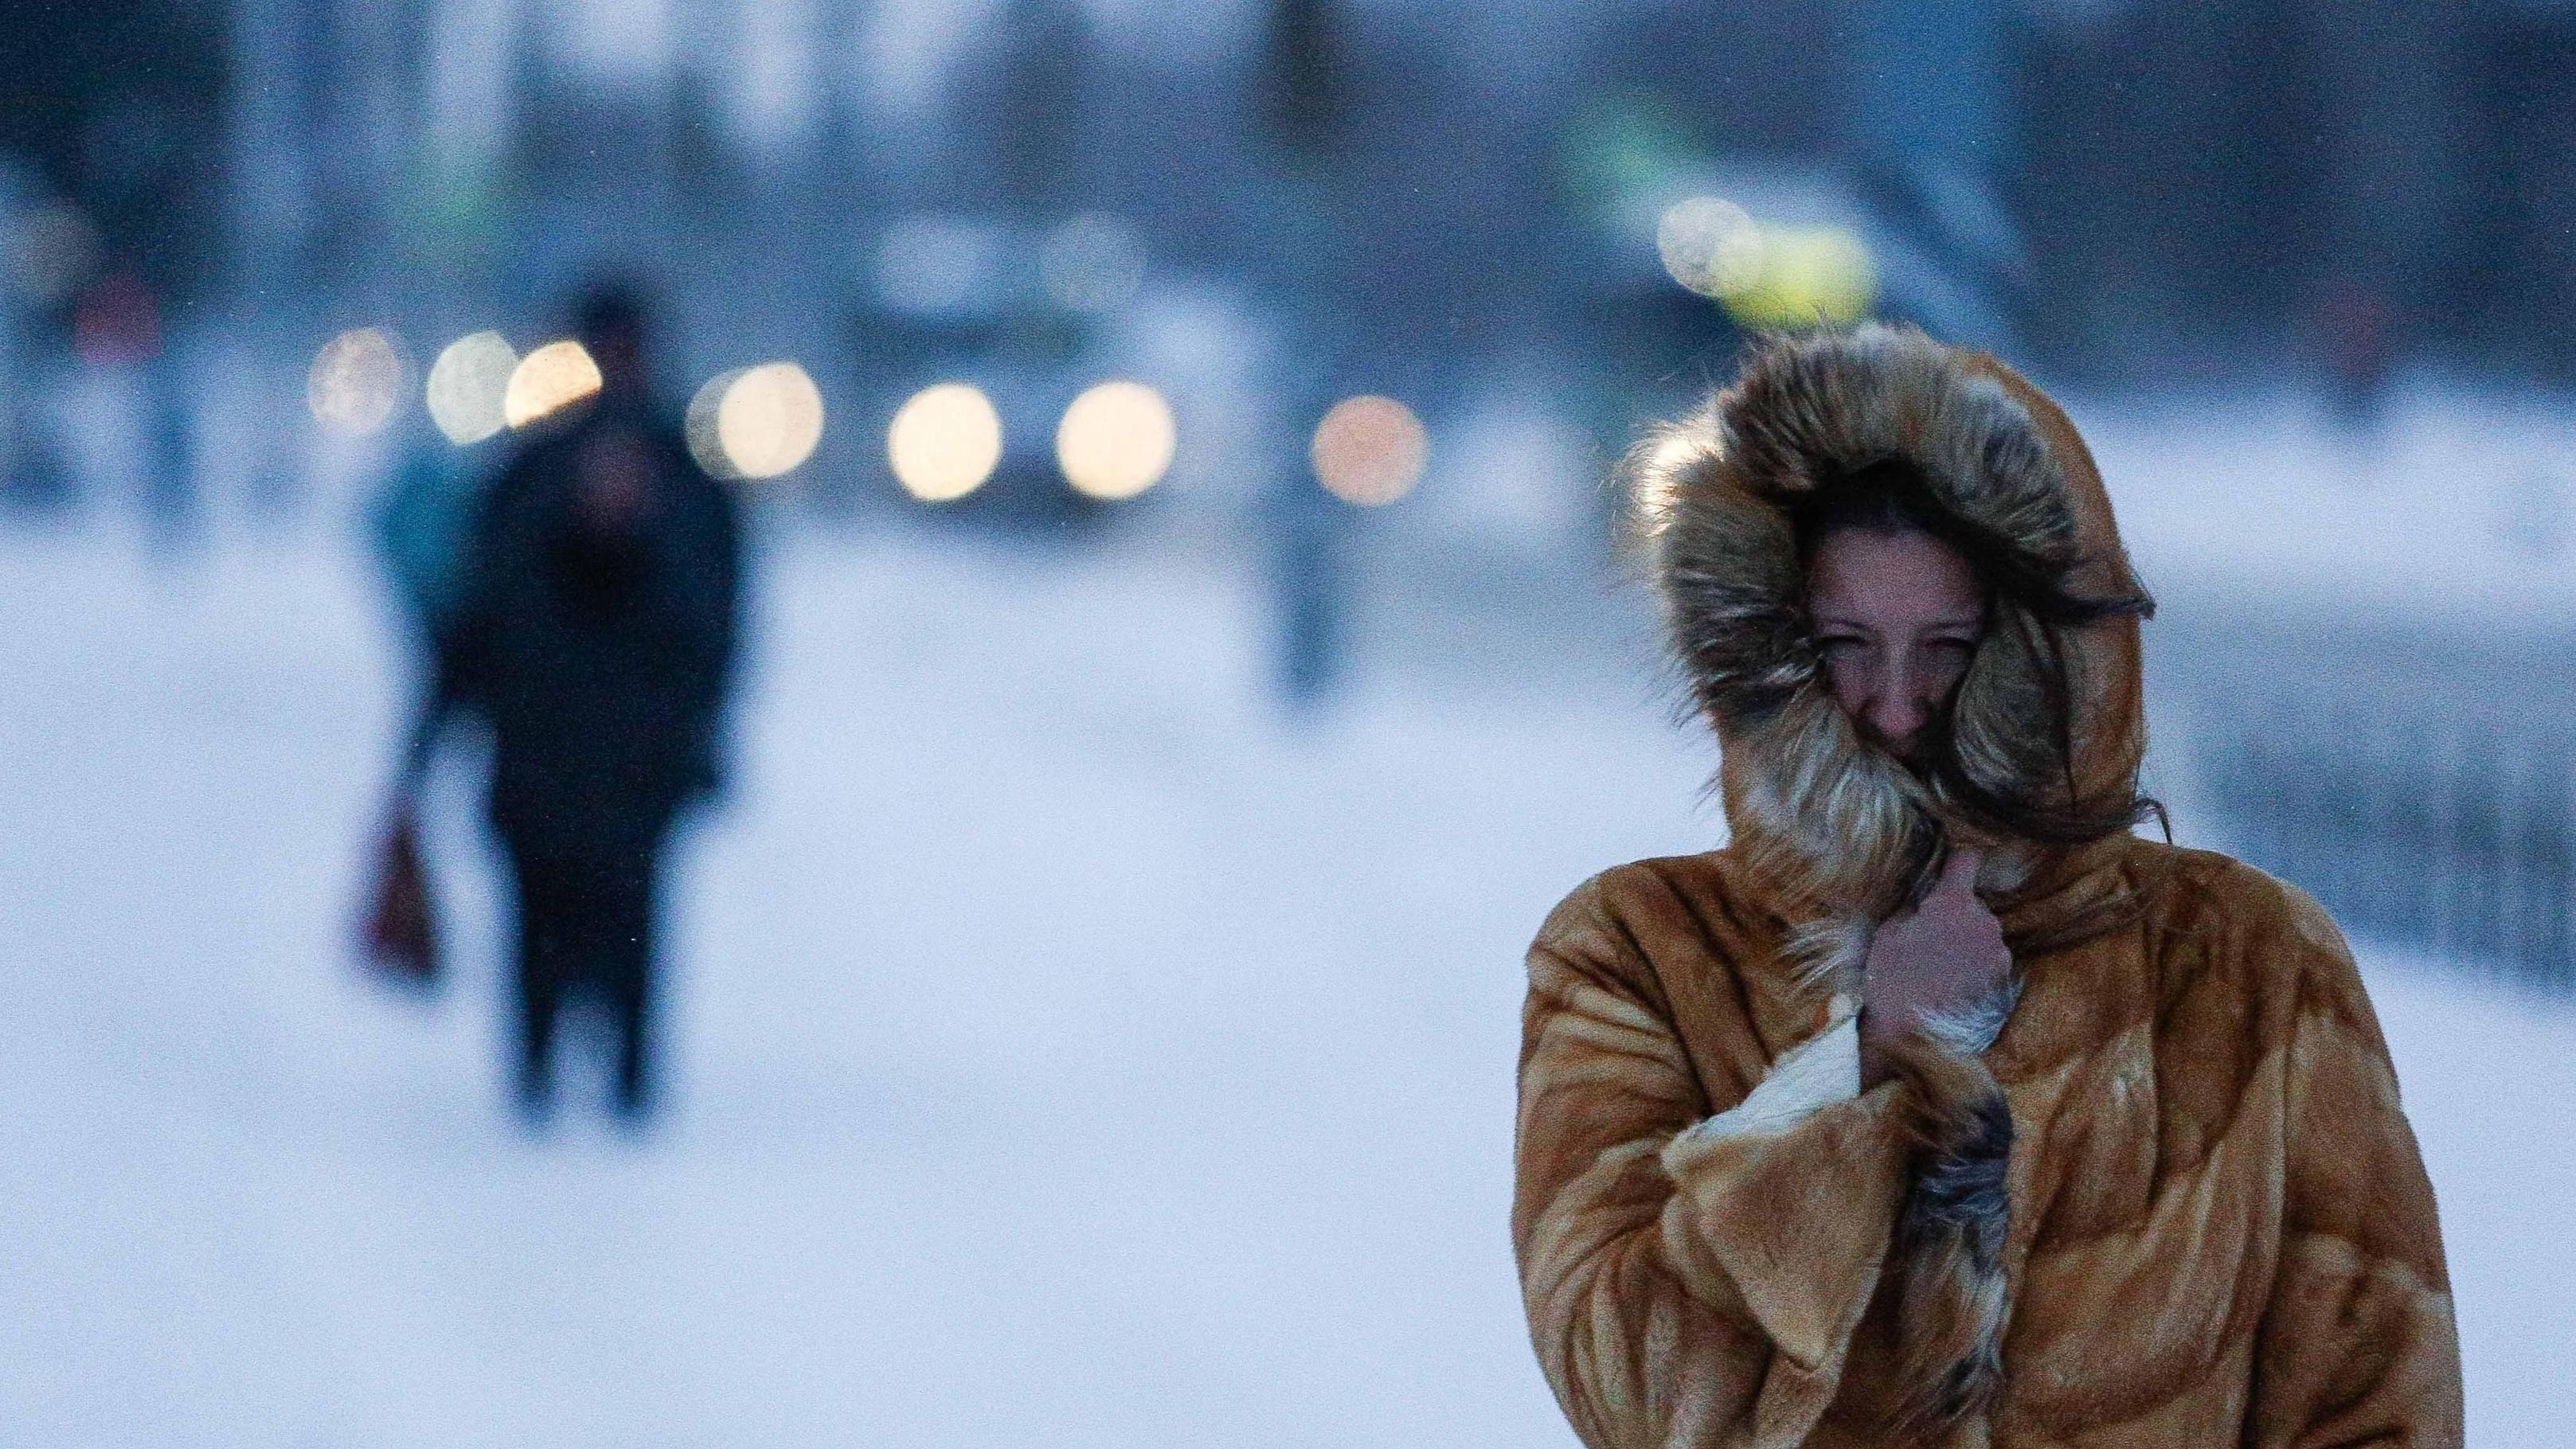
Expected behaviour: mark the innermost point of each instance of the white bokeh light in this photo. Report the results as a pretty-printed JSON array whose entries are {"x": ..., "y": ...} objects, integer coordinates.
[
  {"x": 1710, "y": 245},
  {"x": 1116, "y": 440},
  {"x": 466, "y": 387},
  {"x": 356, "y": 381},
  {"x": 1094, "y": 262},
  {"x": 756, "y": 422},
  {"x": 944, "y": 442}
]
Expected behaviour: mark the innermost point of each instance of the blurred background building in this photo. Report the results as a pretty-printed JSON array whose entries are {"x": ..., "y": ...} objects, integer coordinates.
[
  {"x": 1179, "y": 446},
  {"x": 2119, "y": 191}
]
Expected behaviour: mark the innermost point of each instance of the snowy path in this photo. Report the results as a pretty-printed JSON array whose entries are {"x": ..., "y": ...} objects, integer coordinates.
[{"x": 1067, "y": 1053}]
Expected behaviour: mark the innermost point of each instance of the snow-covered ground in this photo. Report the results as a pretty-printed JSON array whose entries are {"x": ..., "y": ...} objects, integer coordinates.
[
  {"x": 2458, "y": 504},
  {"x": 1069, "y": 1050}
]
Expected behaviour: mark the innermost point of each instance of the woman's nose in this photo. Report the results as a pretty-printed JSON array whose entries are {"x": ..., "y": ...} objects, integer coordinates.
[
  {"x": 1897, "y": 706},
  {"x": 1895, "y": 714}
]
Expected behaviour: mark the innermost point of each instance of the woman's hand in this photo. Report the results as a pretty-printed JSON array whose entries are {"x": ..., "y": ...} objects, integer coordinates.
[{"x": 1946, "y": 954}]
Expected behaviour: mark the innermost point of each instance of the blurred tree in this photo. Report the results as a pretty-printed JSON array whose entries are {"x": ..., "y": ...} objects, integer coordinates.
[
  {"x": 2511, "y": 284},
  {"x": 1020, "y": 106},
  {"x": 2292, "y": 181},
  {"x": 118, "y": 103},
  {"x": 1306, "y": 93},
  {"x": 704, "y": 169},
  {"x": 1303, "y": 101},
  {"x": 1756, "y": 78},
  {"x": 1038, "y": 121}
]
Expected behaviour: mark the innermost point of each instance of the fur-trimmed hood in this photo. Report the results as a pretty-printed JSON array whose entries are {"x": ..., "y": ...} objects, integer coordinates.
[{"x": 1831, "y": 819}]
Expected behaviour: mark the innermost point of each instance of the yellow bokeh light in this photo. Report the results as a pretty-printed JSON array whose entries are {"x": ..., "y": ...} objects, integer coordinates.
[
  {"x": 1116, "y": 440},
  {"x": 1711, "y": 246},
  {"x": 548, "y": 380},
  {"x": 1370, "y": 450},
  {"x": 466, "y": 385},
  {"x": 1767, "y": 276},
  {"x": 356, "y": 380},
  {"x": 1810, "y": 275},
  {"x": 944, "y": 442}
]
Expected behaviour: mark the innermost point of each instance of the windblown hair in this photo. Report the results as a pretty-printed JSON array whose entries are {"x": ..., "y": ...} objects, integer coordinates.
[{"x": 1890, "y": 495}]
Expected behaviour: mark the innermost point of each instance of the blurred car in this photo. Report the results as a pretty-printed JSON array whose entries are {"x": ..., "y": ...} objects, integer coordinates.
[{"x": 1013, "y": 311}]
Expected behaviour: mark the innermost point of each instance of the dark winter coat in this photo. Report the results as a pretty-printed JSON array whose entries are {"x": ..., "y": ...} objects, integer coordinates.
[
  {"x": 600, "y": 656},
  {"x": 2164, "y": 1197}
]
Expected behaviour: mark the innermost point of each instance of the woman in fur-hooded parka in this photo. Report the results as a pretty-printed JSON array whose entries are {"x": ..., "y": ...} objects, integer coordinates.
[{"x": 2163, "y": 1196}]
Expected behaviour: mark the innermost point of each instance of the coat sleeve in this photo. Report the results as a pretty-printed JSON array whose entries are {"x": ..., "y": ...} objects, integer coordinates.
[
  {"x": 699, "y": 576},
  {"x": 1690, "y": 1279},
  {"x": 2357, "y": 1345},
  {"x": 462, "y": 636}
]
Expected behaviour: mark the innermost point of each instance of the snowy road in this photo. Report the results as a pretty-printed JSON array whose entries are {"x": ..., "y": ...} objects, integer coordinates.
[{"x": 1067, "y": 1052}]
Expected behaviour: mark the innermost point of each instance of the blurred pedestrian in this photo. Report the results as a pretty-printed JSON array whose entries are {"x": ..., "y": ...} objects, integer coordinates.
[
  {"x": 1308, "y": 564},
  {"x": 117, "y": 328},
  {"x": 1936, "y": 1047},
  {"x": 419, "y": 526},
  {"x": 593, "y": 628},
  {"x": 2354, "y": 322}
]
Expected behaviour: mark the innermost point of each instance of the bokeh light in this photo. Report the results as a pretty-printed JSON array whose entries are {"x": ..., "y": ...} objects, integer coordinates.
[
  {"x": 1370, "y": 450},
  {"x": 467, "y": 385},
  {"x": 1094, "y": 262},
  {"x": 931, "y": 263},
  {"x": 1766, "y": 276},
  {"x": 356, "y": 380},
  {"x": 756, "y": 422},
  {"x": 1810, "y": 275},
  {"x": 705, "y": 445},
  {"x": 548, "y": 380},
  {"x": 1710, "y": 245},
  {"x": 1116, "y": 440},
  {"x": 944, "y": 442}
]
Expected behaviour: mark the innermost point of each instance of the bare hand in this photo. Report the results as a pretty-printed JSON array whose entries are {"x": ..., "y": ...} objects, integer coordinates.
[{"x": 1945, "y": 954}]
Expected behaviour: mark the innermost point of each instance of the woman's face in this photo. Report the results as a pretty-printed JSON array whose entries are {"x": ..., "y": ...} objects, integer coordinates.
[{"x": 1897, "y": 616}]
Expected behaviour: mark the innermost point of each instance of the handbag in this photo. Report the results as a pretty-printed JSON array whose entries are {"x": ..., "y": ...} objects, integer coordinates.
[{"x": 402, "y": 920}]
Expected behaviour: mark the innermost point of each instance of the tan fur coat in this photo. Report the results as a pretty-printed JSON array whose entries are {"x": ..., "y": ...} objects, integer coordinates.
[{"x": 2173, "y": 1202}]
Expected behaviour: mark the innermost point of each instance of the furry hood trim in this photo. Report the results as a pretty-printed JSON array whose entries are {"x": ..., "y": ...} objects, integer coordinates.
[{"x": 1824, "y": 816}]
